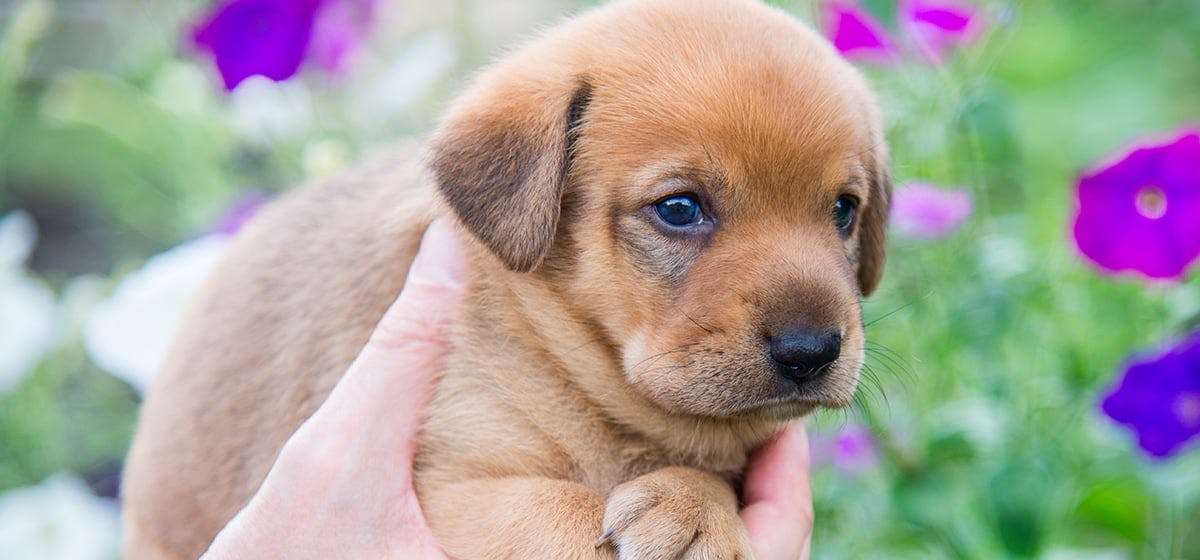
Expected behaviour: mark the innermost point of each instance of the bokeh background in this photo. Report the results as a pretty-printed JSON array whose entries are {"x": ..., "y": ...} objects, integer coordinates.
[{"x": 126, "y": 164}]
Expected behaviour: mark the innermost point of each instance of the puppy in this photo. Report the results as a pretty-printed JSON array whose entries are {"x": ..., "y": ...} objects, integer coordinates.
[{"x": 671, "y": 210}]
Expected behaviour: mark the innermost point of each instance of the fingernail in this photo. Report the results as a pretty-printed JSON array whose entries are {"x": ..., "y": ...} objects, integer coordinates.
[{"x": 440, "y": 260}]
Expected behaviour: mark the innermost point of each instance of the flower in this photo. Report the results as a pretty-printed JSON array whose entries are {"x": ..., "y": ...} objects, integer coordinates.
[
  {"x": 239, "y": 214},
  {"x": 1159, "y": 398},
  {"x": 856, "y": 34},
  {"x": 854, "y": 449},
  {"x": 937, "y": 26},
  {"x": 257, "y": 37},
  {"x": 272, "y": 38},
  {"x": 338, "y": 32},
  {"x": 128, "y": 334},
  {"x": 923, "y": 211},
  {"x": 59, "y": 519},
  {"x": 851, "y": 450},
  {"x": 28, "y": 312},
  {"x": 264, "y": 112},
  {"x": 403, "y": 83},
  {"x": 1140, "y": 213}
]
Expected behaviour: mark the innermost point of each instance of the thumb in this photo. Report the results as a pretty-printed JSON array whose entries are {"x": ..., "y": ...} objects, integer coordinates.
[
  {"x": 399, "y": 365},
  {"x": 424, "y": 312}
]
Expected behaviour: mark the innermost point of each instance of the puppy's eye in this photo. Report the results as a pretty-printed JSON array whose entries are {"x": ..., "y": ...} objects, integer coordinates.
[
  {"x": 679, "y": 211},
  {"x": 844, "y": 211}
]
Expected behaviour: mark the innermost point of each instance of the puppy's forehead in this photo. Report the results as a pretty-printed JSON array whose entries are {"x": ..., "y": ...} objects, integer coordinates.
[{"x": 749, "y": 92}]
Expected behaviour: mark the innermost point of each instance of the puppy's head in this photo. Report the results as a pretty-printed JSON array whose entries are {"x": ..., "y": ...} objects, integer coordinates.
[{"x": 706, "y": 181}]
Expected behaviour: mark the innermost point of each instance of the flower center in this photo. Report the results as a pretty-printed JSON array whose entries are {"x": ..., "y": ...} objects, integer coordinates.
[
  {"x": 1151, "y": 202},
  {"x": 1187, "y": 409}
]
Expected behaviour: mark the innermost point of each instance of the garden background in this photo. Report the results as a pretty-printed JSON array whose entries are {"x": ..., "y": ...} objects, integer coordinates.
[{"x": 999, "y": 330}]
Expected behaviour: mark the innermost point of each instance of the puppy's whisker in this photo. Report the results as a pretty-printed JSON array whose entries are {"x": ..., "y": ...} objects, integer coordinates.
[
  {"x": 697, "y": 323},
  {"x": 872, "y": 383},
  {"x": 892, "y": 361},
  {"x": 889, "y": 313},
  {"x": 656, "y": 357}
]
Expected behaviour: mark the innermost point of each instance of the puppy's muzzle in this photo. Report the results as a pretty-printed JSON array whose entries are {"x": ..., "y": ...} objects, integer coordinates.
[{"x": 803, "y": 355}]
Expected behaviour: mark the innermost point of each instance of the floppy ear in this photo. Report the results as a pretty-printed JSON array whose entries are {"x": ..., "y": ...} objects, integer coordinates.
[
  {"x": 872, "y": 241},
  {"x": 501, "y": 157}
]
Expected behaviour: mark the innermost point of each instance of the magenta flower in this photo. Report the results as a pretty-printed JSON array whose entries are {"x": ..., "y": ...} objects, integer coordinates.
[
  {"x": 257, "y": 37},
  {"x": 851, "y": 450},
  {"x": 340, "y": 27},
  {"x": 856, "y": 34},
  {"x": 923, "y": 211},
  {"x": 239, "y": 214},
  {"x": 1159, "y": 399},
  {"x": 1142, "y": 213},
  {"x": 854, "y": 449},
  {"x": 938, "y": 26},
  {"x": 272, "y": 38}
]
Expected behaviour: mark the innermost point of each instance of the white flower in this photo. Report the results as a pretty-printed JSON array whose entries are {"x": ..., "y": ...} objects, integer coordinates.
[
  {"x": 27, "y": 307},
  {"x": 406, "y": 81},
  {"x": 265, "y": 112},
  {"x": 128, "y": 334},
  {"x": 325, "y": 157},
  {"x": 58, "y": 519}
]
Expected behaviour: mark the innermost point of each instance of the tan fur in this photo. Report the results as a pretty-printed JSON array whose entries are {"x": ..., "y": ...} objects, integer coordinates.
[{"x": 605, "y": 376}]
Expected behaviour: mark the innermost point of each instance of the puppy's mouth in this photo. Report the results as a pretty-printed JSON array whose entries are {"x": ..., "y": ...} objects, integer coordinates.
[
  {"x": 793, "y": 397},
  {"x": 735, "y": 389}
]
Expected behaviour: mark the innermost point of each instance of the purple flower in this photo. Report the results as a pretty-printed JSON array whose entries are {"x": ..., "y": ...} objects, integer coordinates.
[
  {"x": 1159, "y": 399},
  {"x": 852, "y": 449},
  {"x": 1142, "y": 213},
  {"x": 272, "y": 38},
  {"x": 238, "y": 214},
  {"x": 937, "y": 26},
  {"x": 856, "y": 34},
  {"x": 257, "y": 37},
  {"x": 340, "y": 27},
  {"x": 923, "y": 211}
]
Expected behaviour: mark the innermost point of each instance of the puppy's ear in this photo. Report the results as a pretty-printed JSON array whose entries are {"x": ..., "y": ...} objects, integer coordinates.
[
  {"x": 873, "y": 236},
  {"x": 501, "y": 157}
]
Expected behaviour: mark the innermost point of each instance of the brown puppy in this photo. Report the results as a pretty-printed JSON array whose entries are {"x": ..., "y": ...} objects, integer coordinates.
[{"x": 674, "y": 206}]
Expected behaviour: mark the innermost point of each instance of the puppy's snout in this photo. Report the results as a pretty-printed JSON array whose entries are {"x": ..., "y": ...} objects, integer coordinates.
[{"x": 803, "y": 354}]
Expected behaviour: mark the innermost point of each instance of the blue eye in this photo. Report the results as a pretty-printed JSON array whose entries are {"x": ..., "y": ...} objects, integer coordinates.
[
  {"x": 843, "y": 213},
  {"x": 679, "y": 211}
]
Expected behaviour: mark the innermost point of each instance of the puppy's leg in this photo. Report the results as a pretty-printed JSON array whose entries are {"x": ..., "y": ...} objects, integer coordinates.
[
  {"x": 675, "y": 512},
  {"x": 515, "y": 517}
]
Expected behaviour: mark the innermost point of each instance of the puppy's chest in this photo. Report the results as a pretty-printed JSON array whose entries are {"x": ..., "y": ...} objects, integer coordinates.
[{"x": 629, "y": 458}]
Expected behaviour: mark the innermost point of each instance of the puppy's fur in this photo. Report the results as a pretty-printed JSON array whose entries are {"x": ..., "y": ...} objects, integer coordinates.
[{"x": 609, "y": 373}]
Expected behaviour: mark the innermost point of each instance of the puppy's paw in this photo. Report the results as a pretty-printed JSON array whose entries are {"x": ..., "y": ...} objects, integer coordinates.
[{"x": 675, "y": 513}]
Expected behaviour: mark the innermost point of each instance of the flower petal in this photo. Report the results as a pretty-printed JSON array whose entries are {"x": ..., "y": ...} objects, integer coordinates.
[
  {"x": 1116, "y": 234},
  {"x": 856, "y": 34},
  {"x": 340, "y": 27},
  {"x": 59, "y": 518},
  {"x": 128, "y": 334},
  {"x": 1157, "y": 398},
  {"x": 923, "y": 211},
  {"x": 257, "y": 37},
  {"x": 938, "y": 26}
]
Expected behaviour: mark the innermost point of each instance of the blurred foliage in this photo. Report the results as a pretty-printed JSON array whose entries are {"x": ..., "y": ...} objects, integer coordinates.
[{"x": 989, "y": 349}]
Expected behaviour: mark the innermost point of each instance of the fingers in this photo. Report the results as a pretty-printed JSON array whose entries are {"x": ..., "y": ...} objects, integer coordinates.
[
  {"x": 778, "y": 512},
  {"x": 425, "y": 309},
  {"x": 394, "y": 374}
]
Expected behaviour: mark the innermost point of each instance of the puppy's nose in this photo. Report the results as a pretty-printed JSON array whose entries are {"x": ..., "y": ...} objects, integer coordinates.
[{"x": 802, "y": 354}]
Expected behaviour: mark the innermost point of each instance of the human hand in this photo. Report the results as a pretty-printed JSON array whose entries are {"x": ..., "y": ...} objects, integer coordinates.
[
  {"x": 342, "y": 484},
  {"x": 779, "y": 512}
]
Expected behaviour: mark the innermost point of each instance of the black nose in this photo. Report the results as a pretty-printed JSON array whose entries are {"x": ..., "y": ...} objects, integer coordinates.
[{"x": 802, "y": 354}]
